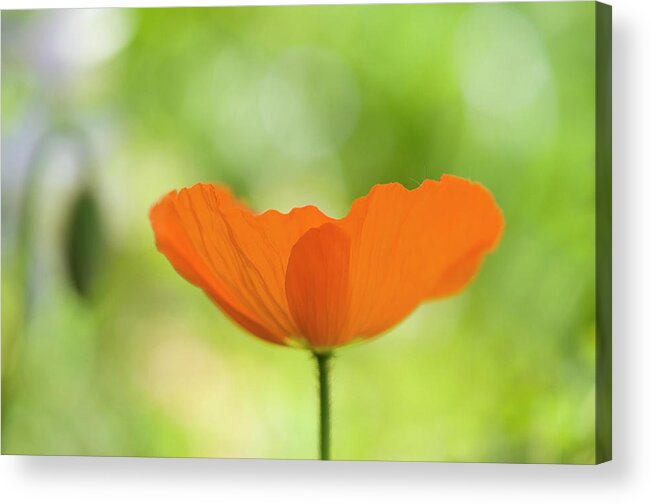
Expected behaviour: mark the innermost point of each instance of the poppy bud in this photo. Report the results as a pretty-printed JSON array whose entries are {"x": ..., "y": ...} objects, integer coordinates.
[{"x": 84, "y": 243}]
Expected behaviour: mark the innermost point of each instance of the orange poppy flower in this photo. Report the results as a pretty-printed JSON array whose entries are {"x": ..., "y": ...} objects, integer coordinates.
[{"x": 305, "y": 279}]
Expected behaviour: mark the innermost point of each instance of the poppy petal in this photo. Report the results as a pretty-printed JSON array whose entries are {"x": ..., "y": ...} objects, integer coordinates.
[
  {"x": 237, "y": 257},
  {"x": 317, "y": 284},
  {"x": 409, "y": 246},
  {"x": 457, "y": 276}
]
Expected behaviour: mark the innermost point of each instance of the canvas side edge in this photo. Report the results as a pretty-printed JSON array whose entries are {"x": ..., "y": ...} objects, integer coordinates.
[{"x": 603, "y": 196}]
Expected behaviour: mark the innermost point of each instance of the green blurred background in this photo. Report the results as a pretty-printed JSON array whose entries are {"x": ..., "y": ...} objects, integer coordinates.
[{"x": 107, "y": 351}]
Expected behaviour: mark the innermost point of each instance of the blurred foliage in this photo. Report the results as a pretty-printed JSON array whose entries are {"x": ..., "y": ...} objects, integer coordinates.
[{"x": 289, "y": 106}]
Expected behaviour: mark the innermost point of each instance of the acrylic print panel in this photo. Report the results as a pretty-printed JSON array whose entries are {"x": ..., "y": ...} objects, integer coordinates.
[{"x": 440, "y": 292}]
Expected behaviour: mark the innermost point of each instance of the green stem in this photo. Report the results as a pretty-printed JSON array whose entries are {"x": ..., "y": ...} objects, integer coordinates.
[{"x": 323, "y": 365}]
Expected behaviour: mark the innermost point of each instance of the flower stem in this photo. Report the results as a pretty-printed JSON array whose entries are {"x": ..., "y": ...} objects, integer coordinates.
[{"x": 323, "y": 365}]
